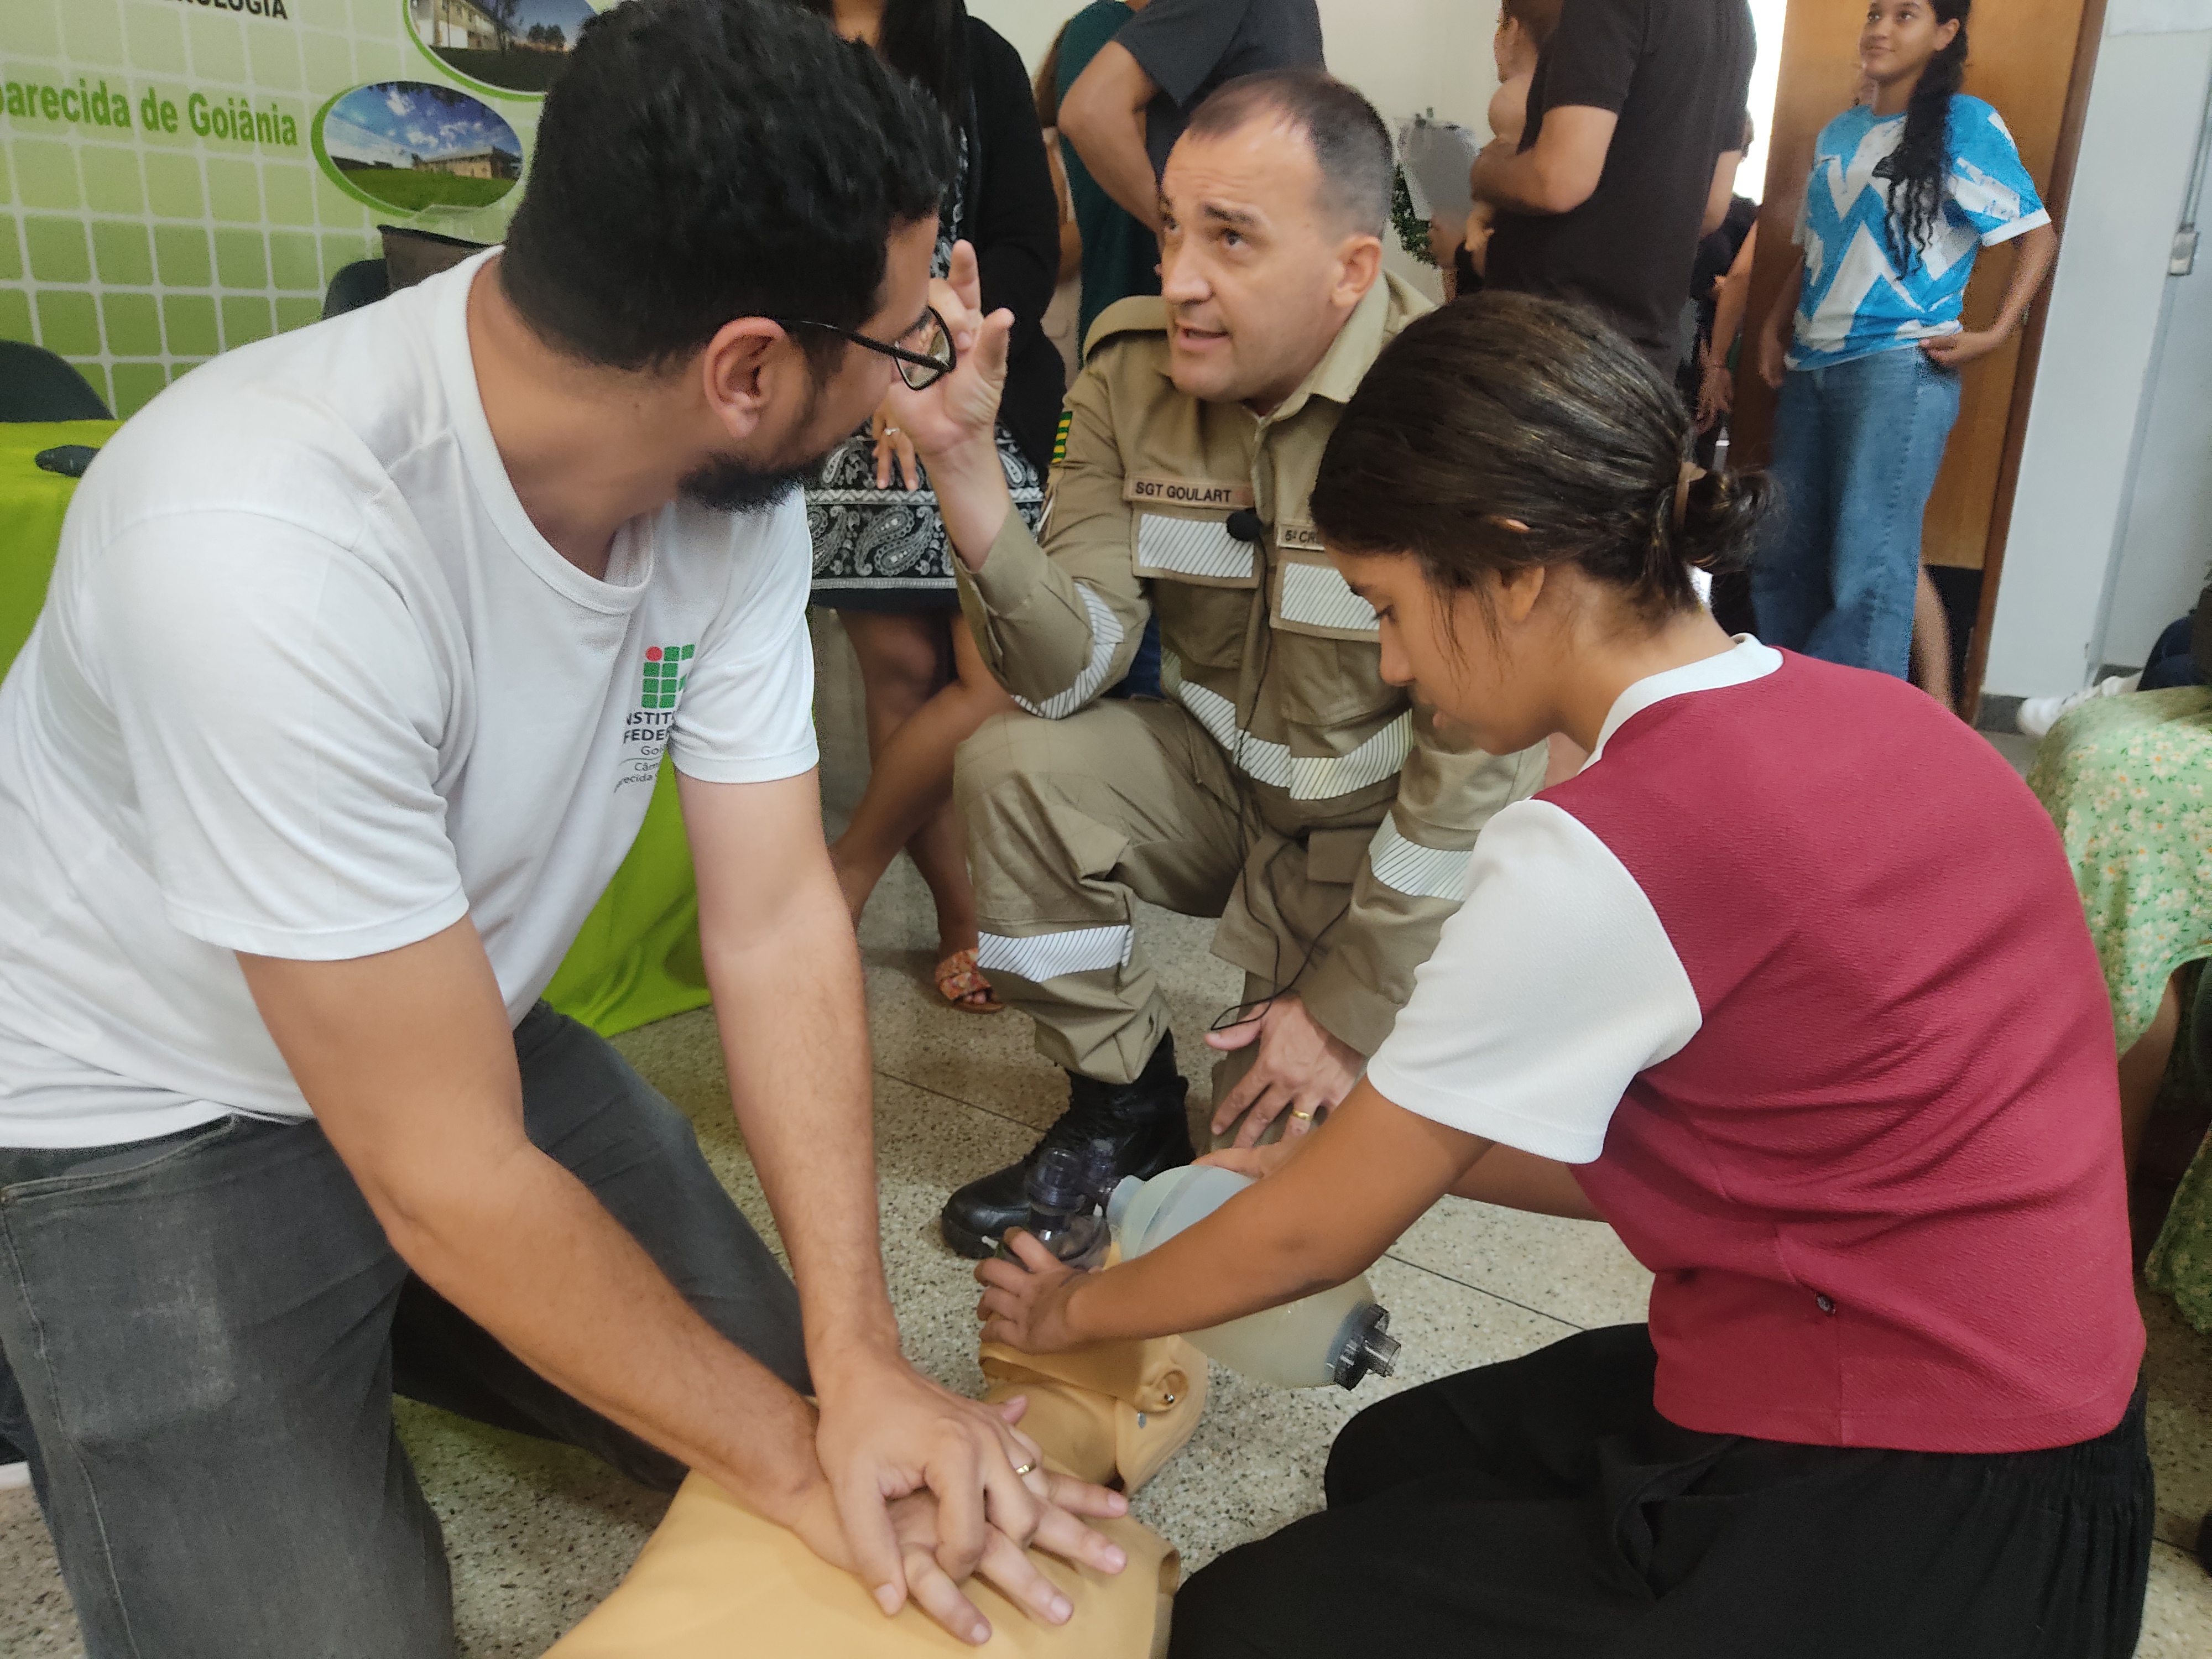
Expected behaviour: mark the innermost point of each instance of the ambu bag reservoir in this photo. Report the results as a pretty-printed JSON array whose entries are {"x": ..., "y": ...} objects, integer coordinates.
[{"x": 1334, "y": 1336}]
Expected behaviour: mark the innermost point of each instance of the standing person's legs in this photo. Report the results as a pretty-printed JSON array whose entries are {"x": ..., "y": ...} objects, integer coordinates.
[
  {"x": 198, "y": 1327},
  {"x": 1790, "y": 590},
  {"x": 585, "y": 1108},
  {"x": 909, "y": 801},
  {"x": 906, "y": 660},
  {"x": 1892, "y": 415},
  {"x": 1931, "y": 641}
]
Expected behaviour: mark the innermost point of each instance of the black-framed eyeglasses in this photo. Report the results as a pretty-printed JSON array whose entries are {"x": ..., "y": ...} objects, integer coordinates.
[{"x": 924, "y": 353}]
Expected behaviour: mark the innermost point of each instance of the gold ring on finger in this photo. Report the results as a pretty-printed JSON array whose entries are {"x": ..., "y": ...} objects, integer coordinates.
[
  {"x": 1300, "y": 1116},
  {"x": 1027, "y": 1468}
]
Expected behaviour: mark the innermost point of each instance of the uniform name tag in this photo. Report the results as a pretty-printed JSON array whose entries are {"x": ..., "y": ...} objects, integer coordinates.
[
  {"x": 1301, "y": 536},
  {"x": 1221, "y": 494}
]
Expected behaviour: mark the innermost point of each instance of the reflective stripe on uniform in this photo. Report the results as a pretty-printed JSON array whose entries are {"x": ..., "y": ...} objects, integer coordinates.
[
  {"x": 1211, "y": 710},
  {"x": 1192, "y": 547},
  {"x": 1318, "y": 596},
  {"x": 1307, "y": 777},
  {"x": 1042, "y": 956},
  {"x": 1417, "y": 871},
  {"x": 1105, "y": 635},
  {"x": 1324, "y": 777}
]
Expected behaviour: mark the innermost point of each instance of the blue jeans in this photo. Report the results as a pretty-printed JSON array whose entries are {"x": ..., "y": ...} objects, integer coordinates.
[
  {"x": 1856, "y": 450},
  {"x": 205, "y": 1332}
]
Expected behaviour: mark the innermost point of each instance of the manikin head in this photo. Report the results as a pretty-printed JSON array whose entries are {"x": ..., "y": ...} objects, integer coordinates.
[
  {"x": 1273, "y": 207},
  {"x": 709, "y": 176}
]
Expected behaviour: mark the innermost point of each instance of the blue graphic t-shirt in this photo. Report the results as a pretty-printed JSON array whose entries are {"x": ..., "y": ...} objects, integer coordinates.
[{"x": 1854, "y": 302}]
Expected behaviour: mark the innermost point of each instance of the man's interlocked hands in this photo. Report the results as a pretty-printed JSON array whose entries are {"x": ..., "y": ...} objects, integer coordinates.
[{"x": 922, "y": 1488}]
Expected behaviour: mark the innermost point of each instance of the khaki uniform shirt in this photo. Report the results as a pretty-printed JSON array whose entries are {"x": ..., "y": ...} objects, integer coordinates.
[{"x": 1265, "y": 645}]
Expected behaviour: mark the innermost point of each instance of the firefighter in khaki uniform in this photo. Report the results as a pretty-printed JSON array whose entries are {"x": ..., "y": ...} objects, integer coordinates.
[{"x": 1279, "y": 783}]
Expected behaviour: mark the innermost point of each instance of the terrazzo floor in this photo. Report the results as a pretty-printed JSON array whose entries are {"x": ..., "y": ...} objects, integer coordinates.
[{"x": 537, "y": 1534}]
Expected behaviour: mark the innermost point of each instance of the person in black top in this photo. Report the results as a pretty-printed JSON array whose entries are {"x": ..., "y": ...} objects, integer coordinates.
[
  {"x": 880, "y": 559},
  {"x": 1124, "y": 113},
  {"x": 1634, "y": 129}
]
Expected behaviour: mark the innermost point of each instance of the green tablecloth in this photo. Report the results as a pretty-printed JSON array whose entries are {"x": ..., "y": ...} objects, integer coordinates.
[
  {"x": 2123, "y": 778},
  {"x": 637, "y": 955},
  {"x": 32, "y": 503}
]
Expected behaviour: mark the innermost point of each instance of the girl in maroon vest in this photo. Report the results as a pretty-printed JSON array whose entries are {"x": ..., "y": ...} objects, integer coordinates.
[{"x": 1790, "y": 985}]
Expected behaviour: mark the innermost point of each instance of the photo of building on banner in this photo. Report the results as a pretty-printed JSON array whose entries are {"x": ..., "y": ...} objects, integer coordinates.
[
  {"x": 507, "y": 45},
  {"x": 411, "y": 145}
]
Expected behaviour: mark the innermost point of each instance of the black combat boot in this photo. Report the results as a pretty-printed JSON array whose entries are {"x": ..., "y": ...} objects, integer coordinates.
[{"x": 1143, "y": 1120}]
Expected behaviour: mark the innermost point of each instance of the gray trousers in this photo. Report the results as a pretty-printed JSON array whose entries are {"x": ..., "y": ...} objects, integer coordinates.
[{"x": 205, "y": 1332}]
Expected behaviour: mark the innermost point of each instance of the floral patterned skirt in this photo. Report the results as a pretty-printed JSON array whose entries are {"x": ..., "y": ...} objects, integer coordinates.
[
  {"x": 885, "y": 550},
  {"x": 2129, "y": 782}
]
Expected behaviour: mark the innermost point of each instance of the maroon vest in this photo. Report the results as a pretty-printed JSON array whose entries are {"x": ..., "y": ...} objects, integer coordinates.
[{"x": 1882, "y": 1187}]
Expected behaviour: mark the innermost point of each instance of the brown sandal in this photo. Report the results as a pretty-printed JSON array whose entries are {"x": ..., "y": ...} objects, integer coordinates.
[{"x": 960, "y": 981}]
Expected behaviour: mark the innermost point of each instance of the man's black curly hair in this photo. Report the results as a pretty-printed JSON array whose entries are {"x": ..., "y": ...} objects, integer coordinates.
[{"x": 702, "y": 159}]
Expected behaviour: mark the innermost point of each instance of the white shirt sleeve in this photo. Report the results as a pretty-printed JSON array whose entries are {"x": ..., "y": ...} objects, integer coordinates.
[
  {"x": 747, "y": 714},
  {"x": 280, "y": 713},
  {"x": 1550, "y": 989}
]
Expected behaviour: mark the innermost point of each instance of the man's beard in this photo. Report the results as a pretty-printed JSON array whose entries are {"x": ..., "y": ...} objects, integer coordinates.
[{"x": 726, "y": 484}]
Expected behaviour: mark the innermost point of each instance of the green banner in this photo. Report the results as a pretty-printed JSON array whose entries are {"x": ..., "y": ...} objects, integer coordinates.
[{"x": 183, "y": 176}]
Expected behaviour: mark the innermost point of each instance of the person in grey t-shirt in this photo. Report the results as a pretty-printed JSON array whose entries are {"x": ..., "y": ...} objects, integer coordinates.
[{"x": 1126, "y": 109}]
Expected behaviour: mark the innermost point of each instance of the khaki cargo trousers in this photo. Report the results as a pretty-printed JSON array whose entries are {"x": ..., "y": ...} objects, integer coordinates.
[{"x": 1070, "y": 821}]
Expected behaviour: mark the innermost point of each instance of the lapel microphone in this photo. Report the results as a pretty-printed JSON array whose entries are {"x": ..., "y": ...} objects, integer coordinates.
[{"x": 1246, "y": 526}]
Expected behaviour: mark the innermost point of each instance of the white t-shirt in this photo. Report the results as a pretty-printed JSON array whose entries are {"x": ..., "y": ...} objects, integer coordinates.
[
  {"x": 1554, "y": 983},
  {"x": 308, "y": 684}
]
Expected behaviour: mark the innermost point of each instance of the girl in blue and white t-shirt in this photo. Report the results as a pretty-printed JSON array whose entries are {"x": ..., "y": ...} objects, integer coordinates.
[{"x": 1903, "y": 193}]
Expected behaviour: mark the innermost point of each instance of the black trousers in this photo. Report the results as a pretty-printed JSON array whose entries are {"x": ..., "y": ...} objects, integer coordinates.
[{"x": 1542, "y": 1507}]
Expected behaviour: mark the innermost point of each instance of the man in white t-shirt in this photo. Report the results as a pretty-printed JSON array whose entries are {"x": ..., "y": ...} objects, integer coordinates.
[{"x": 363, "y": 650}]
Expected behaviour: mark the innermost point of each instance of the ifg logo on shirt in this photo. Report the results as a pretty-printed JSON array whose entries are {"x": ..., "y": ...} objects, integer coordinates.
[
  {"x": 663, "y": 674},
  {"x": 644, "y": 734}
]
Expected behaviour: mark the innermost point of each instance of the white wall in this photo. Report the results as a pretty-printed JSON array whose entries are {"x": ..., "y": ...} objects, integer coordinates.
[
  {"x": 1404, "y": 54},
  {"x": 2165, "y": 538},
  {"x": 2099, "y": 336},
  {"x": 1030, "y": 24},
  {"x": 1767, "y": 17}
]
